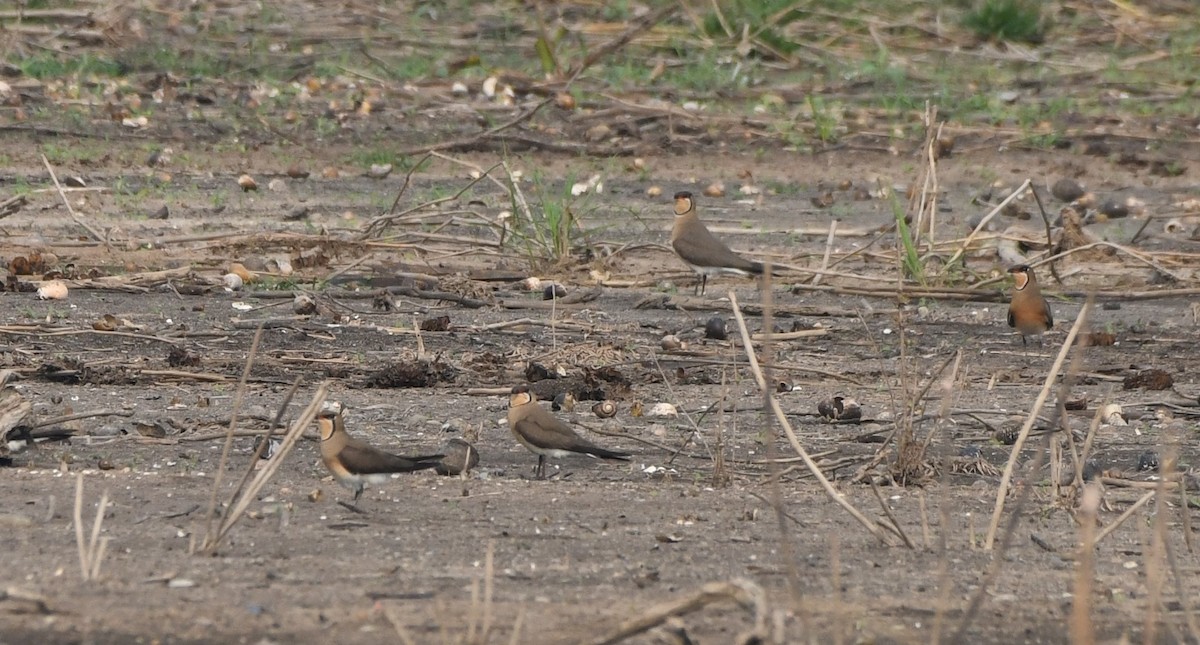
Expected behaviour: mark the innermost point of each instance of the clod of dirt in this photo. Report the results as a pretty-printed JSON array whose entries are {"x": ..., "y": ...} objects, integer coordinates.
[
  {"x": 240, "y": 270},
  {"x": 379, "y": 170},
  {"x": 304, "y": 305},
  {"x": 232, "y": 282},
  {"x": 162, "y": 213},
  {"x": 943, "y": 148},
  {"x": 637, "y": 409},
  {"x": 535, "y": 372},
  {"x": 1067, "y": 190},
  {"x": 662, "y": 410},
  {"x": 1091, "y": 470},
  {"x": 296, "y": 172},
  {"x": 52, "y": 290},
  {"x": 1148, "y": 460},
  {"x": 554, "y": 290},
  {"x": 1078, "y": 403},
  {"x": 1151, "y": 379},
  {"x": 716, "y": 189},
  {"x": 247, "y": 183},
  {"x": 671, "y": 343},
  {"x": 824, "y": 199},
  {"x": 436, "y": 323},
  {"x": 1114, "y": 208},
  {"x": 1007, "y": 435},
  {"x": 108, "y": 322},
  {"x": 565, "y": 401},
  {"x": 654, "y": 191},
  {"x": 1113, "y": 415},
  {"x": 412, "y": 374},
  {"x": 716, "y": 328},
  {"x": 1099, "y": 339},
  {"x": 564, "y": 100}
]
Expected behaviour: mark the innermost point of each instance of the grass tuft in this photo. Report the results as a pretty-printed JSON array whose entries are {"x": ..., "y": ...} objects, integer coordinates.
[{"x": 1007, "y": 20}]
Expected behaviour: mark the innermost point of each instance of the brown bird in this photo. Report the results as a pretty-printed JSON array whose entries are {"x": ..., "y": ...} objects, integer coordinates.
[
  {"x": 544, "y": 435},
  {"x": 702, "y": 251},
  {"x": 1028, "y": 312},
  {"x": 353, "y": 462}
]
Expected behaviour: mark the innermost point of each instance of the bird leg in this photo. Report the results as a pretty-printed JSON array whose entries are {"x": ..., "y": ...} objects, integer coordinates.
[{"x": 540, "y": 473}]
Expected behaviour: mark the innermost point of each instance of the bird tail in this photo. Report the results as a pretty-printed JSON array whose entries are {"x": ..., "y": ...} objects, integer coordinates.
[
  {"x": 426, "y": 461},
  {"x": 758, "y": 268},
  {"x": 605, "y": 453}
]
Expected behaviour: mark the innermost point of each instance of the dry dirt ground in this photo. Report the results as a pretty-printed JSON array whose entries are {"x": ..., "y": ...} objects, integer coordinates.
[{"x": 597, "y": 543}]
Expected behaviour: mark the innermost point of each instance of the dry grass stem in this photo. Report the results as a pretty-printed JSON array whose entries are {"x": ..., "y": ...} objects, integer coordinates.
[
  {"x": 1006, "y": 478},
  {"x": 781, "y": 417},
  {"x": 1115, "y": 524},
  {"x": 1081, "y": 629},
  {"x": 71, "y": 211},
  {"x": 238, "y": 505},
  {"x": 91, "y": 552},
  {"x": 966, "y": 244},
  {"x": 238, "y": 396},
  {"x": 742, "y": 591}
]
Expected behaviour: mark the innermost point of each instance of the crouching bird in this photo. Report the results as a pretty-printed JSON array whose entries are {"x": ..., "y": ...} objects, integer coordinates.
[
  {"x": 544, "y": 435},
  {"x": 353, "y": 462}
]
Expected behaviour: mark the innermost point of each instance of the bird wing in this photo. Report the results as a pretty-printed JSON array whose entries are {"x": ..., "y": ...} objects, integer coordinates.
[
  {"x": 698, "y": 242},
  {"x": 1012, "y": 320},
  {"x": 548, "y": 433},
  {"x": 1049, "y": 316},
  {"x": 366, "y": 460}
]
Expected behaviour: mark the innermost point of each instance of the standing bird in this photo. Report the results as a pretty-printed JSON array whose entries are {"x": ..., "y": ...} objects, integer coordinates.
[
  {"x": 546, "y": 436},
  {"x": 702, "y": 251},
  {"x": 1028, "y": 312},
  {"x": 354, "y": 463}
]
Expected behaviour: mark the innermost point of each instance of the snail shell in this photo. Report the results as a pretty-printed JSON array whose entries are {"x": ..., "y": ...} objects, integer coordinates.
[{"x": 605, "y": 409}]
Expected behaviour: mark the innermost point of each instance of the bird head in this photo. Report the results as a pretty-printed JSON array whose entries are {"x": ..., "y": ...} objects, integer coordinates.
[
  {"x": 327, "y": 419},
  {"x": 1022, "y": 274},
  {"x": 683, "y": 203},
  {"x": 520, "y": 395}
]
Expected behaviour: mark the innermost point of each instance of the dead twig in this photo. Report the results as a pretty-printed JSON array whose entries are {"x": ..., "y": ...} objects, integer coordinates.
[
  {"x": 1006, "y": 478},
  {"x": 742, "y": 591},
  {"x": 71, "y": 211},
  {"x": 781, "y": 417}
]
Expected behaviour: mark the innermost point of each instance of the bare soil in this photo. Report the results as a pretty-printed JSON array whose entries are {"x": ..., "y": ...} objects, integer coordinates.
[{"x": 597, "y": 543}]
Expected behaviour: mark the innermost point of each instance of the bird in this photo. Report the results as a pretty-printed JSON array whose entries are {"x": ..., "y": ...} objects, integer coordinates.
[
  {"x": 353, "y": 462},
  {"x": 460, "y": 458},
  {"x": 1028, "y": 312},
  {"x": 839, "y": 408},
  {"x": 700, "y": 249},
  {"x": 544, "y": 435}
]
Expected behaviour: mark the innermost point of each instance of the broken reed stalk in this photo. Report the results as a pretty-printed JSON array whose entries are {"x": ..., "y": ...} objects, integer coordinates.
[
  {"x": 1006, "y": 478},
  {"x": 71, "y": 211},
  {"x": 987, "y": 218},
  {"x": 238, "y": 395},
  {"x": 1124, "y": 516},
  {"x": 742, "y": 591},
  {"x": 816, "y": 279},
  {"x": 781, "y": 417},
  {"x": 91, "y": 552},
  {"x": 265, "y": 444},
  {"x": 1081, "y": 629},
  {"x": 239, "y": 505}
]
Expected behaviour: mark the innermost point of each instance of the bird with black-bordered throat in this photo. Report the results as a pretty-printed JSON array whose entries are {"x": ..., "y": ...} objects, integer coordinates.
[
  {"x": 1028, "y": 312},
  {"x": 353, "y": 462},
  {"x": 700, "y": 249},
  {"x": 544, "y": 435}
]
